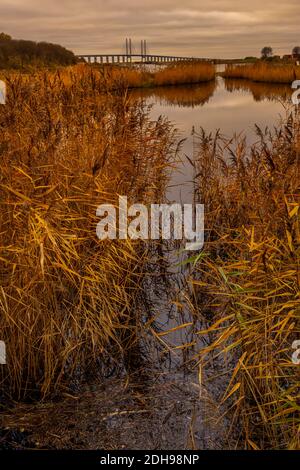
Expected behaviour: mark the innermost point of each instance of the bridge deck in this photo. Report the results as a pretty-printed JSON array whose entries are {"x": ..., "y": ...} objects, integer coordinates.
[{"x": 129, "y": 58}]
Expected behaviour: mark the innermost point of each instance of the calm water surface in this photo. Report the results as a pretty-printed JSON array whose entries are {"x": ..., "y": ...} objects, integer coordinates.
[{"x": 233, "y": 106}]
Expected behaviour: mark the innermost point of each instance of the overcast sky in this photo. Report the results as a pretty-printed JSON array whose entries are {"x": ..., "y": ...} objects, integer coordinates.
[{"x": 203, "y": 28}]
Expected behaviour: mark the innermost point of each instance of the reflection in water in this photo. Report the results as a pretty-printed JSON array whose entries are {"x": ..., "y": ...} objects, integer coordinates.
[
  {"x": 191, "y": 96},
  {"x": 179, "y": 96},
  {"x": 231, "y": 106},
  {"x": 260, "y": 91}
]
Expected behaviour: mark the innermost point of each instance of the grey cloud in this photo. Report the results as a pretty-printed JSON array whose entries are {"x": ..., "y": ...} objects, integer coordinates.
[{"x": 209, "y": 28}]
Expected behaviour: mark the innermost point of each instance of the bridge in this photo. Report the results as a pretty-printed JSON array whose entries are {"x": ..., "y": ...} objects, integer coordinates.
[
  {"x": 136, "y": 58},
  {"x": 130, "y": 54}
]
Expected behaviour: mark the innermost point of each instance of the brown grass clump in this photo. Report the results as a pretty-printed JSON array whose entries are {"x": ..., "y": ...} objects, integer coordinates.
[
  {"x": 248, "y": 284},
  {"x": 263, "y": 72},
  {"x": 68, "y": 300},
  {"x": 178, "y": 74},
  {"x": 184, "y": 73},
  {"x": 114, "y": 77},
  {"x": 129, "y": 77}
]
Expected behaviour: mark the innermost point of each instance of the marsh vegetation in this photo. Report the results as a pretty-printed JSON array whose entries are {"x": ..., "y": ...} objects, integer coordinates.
[
  {"x": 247, "y": 283},
  {"x": 74, "y": 309},
  {"x": 264, "y": 72}
]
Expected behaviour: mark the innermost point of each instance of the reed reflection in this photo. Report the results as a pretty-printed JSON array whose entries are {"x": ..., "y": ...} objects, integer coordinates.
[
  {"x": 259, "y": 90},
  {"x": 188, "y": 96}
]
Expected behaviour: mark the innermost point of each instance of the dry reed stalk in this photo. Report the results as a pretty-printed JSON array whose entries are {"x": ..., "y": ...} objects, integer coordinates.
[
  {"x": 184, "y": 73},
  {"x": 263, "y": 72},
  {"x": 249, "y": 280},
  {"x": 68, "y": 300}
]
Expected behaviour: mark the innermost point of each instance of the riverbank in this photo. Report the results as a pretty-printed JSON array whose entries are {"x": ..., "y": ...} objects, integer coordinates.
[
  {"x": 184, "y": 73},
  {"x": 114, "y": 78},
  {"x": 162, "y": 413},
  {"x": 264, "y": 72}
]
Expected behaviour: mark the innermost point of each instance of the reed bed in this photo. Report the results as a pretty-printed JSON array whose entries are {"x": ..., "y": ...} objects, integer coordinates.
[
  {"x": 264, "y": 72},
  {"x": 68, "y": 301},
  {"x": 127, "y": 76},
  {"x": 114, "y": 77},
  {"x": 247, "y": 284},
  {"x": 178, "y": 74},
  {"x": 184, "y": 73}
]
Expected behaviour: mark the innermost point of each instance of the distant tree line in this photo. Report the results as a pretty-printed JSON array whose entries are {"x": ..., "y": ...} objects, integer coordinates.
[
  {"x": 267, "y": 52},
  {"x": 17, "y": 53},
  {"x": 296, "y": 50}
]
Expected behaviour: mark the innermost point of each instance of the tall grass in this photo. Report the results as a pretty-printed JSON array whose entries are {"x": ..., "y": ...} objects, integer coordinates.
[
  {"x": 185, "y": 73},
  {"x": 116, "y": 77},
  {"x": 248, "y": 284},
  {"x": 264, "y": 72},
  {"x": 68, "y": 302},
  {"x": 177, "y": 74},
  {"x": 126, "y": 76}
]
